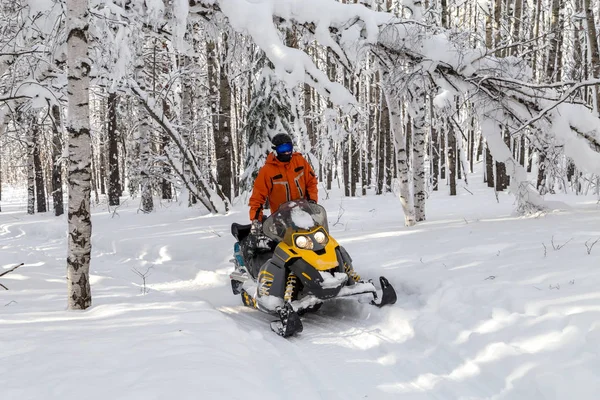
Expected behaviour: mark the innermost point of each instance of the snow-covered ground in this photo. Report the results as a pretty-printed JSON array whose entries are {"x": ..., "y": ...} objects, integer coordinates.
[{"x": 491, "y": 306}]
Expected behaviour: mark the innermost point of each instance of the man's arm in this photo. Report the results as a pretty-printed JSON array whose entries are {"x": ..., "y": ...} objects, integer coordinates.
[
  {"x": 259, "y": 196},
  {"x": 312, "y": 189}
]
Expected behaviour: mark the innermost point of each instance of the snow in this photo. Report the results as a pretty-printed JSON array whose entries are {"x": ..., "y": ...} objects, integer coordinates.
[
  {"x": 181, "y": 10},
  {"x": 294, "y": 66},
  {"x": 155, "y": 9},
  {"x": 489, "y": 307},
  {"x": 301, "y": 218},
  {"x": 332, "y": 281}
]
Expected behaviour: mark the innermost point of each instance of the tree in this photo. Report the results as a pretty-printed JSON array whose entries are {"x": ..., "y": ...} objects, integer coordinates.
[
  {"x": 79, "y": 178},
  {"x": 57, "y": 147},
  {"x": 114, "y": 182},
  {"x": 40, "y": 193},
  {"x": 270, "y": 113}
]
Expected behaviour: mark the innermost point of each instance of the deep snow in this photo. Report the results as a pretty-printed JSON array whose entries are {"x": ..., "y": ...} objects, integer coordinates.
[{"x": 485, "y": 311}]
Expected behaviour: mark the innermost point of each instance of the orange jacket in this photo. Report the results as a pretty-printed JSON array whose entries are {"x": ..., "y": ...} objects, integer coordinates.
[{"x": 280, "y": 182}]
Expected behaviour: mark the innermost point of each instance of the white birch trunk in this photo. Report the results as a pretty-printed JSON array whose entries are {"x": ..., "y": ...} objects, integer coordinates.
[
  {"x": 187, "y": 123},
  {"x": 420, "y": 194},
  {"x": 401, "y": 158},
  {"x": 416, "y": 108},
  {"x": 594, "y": 54},
  {"x": 147, "y": 203},
  {"x": 78, "y": 126}
]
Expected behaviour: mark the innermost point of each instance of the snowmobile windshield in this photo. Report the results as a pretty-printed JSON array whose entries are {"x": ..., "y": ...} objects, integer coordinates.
[{"x": 296, "y": 214}]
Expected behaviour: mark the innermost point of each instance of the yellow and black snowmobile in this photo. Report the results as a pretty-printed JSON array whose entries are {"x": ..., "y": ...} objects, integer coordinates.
[{"x": 294, "y": 265}]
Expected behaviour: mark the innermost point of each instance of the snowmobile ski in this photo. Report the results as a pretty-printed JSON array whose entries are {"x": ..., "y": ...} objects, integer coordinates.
[{"x": 388, "y": 295}]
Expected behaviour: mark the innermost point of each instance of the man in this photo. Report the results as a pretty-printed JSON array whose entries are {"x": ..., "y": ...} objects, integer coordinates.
[{"x": 285, "y": 176}]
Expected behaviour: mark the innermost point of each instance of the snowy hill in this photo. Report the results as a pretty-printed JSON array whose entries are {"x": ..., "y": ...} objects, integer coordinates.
[{"x": 491, "y": 306}]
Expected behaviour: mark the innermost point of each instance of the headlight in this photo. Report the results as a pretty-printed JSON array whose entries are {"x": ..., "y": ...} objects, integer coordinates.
[
  {"x": 320, "y": 237},
  {"x": 304, "y": 242}
]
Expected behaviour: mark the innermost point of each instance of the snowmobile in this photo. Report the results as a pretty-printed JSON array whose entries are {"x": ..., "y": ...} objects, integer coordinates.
[{"x": 293, "y": 266}]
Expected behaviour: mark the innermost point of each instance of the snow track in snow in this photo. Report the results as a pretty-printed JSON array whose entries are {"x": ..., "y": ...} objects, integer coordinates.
[{"x": 342, "y": 345}]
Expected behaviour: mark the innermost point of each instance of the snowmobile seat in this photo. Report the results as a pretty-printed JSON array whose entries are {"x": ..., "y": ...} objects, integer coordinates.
[{"x": 239, "y": 231}]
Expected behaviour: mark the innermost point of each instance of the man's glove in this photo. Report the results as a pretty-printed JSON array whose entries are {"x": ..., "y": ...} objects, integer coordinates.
[
  {"x": 312, "y": 201},
  {"x": 256, "y": 227}
]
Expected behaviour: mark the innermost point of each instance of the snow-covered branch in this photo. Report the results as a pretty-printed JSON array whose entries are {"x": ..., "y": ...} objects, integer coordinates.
[{"x": 212, "y": 199}]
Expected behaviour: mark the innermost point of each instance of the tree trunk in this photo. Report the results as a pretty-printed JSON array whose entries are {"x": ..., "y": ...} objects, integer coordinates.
[
  {"x": 346, "y": 163},
  {"x": 488, "y": 27},
  {"x": 445, "y": 14},
  {"x": 147, "y": 202},
  {"x": 489, "y": 167},
  {"x": 114, "y": 183},
  {"x": 471, "y": 145},
  {"x": 383, "y": 133},
  {"x": 577, "y": 54},
  {"x": 372, "y": 142},
  {"x": 594, "y": 53},
  {"x": 308, "y": 116},
  {"x": 187, "y": 116},
  {"x": 40, "y": 192},
  {"x": 102, "y": 163},
  {"x": 354, "y": 166},
  {"x": 2, "y": 128},
  {"x": 570, "y": 170},
  {"x": 518, "y": 9},
  {"x": 434, "y": 148},
  {"x": 57, "y": 148},
  {"x": 365, "y": 167},
  {"x": 522, "y": 149},
  {"x": 419, "y": 187},
  {"x": 498, "y": 27},
  {"x": 451, "y": 158},
  {"x": 78, "y": 126},
  {"x": 401, "y": 158},
  {"x": 94, "y": 175},
  {"x": 416, "y": 127},
  {"x": 31, "y": 171},
  {"x": 552, "y": 67},
  {"x": 501, "y": 176},
  {"x": 165, "y": 183},
  {"x": 442, "y": 151},
  {"x": 220, "y": 100},
  {"x": 541, "y": 177},
  {"x": 537, "y": 12},
  {"x": 145, "y": 75}
]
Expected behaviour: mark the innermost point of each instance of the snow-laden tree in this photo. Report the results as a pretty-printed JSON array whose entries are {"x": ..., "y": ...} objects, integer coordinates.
[
  {"x": 502, "y": 88},
  {"x": 270, "y": 113}
]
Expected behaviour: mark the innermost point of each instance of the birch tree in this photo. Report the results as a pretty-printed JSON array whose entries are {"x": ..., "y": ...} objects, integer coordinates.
[{"x": 78, "y": 127}]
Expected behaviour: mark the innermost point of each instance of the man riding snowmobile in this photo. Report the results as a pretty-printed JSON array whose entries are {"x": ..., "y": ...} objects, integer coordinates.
[{"x": 292, "y": 265}]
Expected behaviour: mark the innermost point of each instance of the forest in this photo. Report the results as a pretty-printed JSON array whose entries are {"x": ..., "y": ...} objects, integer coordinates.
[{"x": 177, "y": 100}]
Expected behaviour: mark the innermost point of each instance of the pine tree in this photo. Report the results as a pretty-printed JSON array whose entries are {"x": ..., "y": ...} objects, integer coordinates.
[{"x": 270, "y": 113}]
